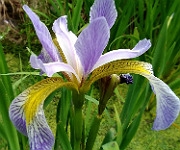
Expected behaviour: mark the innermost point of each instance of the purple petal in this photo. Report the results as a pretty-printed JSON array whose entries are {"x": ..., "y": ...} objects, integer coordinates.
[
  {"x": 141, "y": 47},
  {"x": 104, "y": 8},
  {"x": 43, "y": 34},
  {"x": 37, "y": 63},
  {"x": 168, "y": 104},
  {"x": 66, "y": 40},
  {"x": 91, "y": 43},
  {"x": 26, "y": 112},
  {"x": 44, "y": 56},
  {"x": 52, "y": 67},
  {"x": 16, "y": 114},
  {"x": 39, "y": 133}
]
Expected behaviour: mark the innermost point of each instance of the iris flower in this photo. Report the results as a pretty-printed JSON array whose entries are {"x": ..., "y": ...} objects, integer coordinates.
[{"x": 82, "y": 62}]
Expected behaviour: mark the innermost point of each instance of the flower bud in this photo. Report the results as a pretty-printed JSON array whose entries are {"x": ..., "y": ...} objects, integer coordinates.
[{"x": 107, "y": 86}]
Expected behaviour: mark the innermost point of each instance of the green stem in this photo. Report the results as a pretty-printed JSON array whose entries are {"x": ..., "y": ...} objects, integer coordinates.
[
  {"x": 77, "y": 129},
  {"x": 78, "y": 100},
  {"x": 93, "y": 132}
]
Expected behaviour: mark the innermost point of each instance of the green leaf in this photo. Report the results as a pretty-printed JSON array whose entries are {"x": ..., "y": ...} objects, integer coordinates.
[
  {"x": 110, "y": 136},
  {"x": 131, "y": 130},
  {"x": 76, "y": 15},
  {"x": 5, "y": 79},
  {"x": 92, "y": 99},
  {"x": 57, "y": 7},
  {"x": 119, "y": 127},
  {"x": 6, "y": 92},
  {"x": 62, "y": 141},
  {"x": 93, "y": 132}
]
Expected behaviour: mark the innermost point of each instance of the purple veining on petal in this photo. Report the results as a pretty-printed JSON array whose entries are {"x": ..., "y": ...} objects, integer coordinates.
[
  {"x": 16, "y": 113},
  {"x": 141, "y": 47},
  {"x": 104, "y": 8},
  {"x": 43, "y": 34},
  {"x": 39, "y": 133},
  {"x": 168, "y": 104},
  {"x": 44, "y": 56},
  {"x": 91, "y": 43}
]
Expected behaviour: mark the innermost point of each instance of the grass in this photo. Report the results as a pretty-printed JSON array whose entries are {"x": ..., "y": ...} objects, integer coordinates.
[{"x": 147, "y": 139}]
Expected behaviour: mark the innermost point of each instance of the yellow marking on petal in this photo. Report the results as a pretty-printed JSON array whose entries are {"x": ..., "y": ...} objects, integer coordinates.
[
  {"x": 118, "y": 67},
  {"x": 69, "y": 76},
  {"x": 60, "y": 50},
  {"x": 37, "y": 93}
]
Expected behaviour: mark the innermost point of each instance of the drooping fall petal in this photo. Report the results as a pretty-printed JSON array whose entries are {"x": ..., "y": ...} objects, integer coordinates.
[
  {"x": 26, "y": 112},
  {"x": 119, "y": 67},
  {"x": 168, "y": 104},
  {"x": 39, "y": 133}
]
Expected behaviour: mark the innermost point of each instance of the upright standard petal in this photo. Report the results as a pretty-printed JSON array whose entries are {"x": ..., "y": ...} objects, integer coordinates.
[
  {"x": 141, "y": 47},
  {"x": 168, "y": 104},
  {"x": 43, "y": 34},
  {"x": 91, "y": 43},
  {"x": 104, "y": 8},
  {"x": 66, "y": 40},
  {"x": 27, "y": 114}
]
